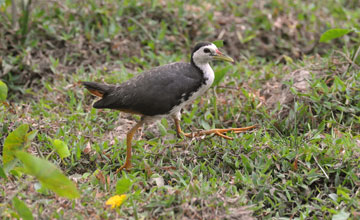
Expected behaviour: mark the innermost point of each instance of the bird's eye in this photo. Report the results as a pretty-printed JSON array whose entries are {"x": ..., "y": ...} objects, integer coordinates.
[{"x": 206, "y": 50}]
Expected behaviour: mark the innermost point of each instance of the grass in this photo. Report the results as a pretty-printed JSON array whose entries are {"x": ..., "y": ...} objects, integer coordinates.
[{"x": 301, "y": 163}]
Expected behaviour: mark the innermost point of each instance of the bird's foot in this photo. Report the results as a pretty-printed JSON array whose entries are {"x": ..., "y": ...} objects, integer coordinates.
[
  {"x": 218, "y": 132},
  {"x": 127, "y": 166}
]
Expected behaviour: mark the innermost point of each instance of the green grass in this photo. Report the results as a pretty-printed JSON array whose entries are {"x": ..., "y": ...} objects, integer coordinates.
[{"x": 302, "y": 162}]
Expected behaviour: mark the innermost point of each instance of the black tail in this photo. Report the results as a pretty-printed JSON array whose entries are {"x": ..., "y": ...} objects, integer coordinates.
[{"x": 98, "y": 89}]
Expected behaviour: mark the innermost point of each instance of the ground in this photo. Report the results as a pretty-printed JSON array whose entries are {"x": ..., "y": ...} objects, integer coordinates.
[{"x": 302, "y": 162}]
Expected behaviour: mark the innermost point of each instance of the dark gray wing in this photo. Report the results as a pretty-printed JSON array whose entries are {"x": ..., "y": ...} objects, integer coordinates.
[{"x": 155, "y": 91}]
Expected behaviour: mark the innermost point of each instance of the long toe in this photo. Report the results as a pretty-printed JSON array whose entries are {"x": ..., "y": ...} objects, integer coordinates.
[
  {"x": 218, "y": 132},
  {"x": 126, "y": 166}
]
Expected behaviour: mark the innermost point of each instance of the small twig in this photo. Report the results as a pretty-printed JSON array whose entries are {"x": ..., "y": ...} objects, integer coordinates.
[
  {"x": 327, "y": 177},
  {"x": 38, "y": 150}
]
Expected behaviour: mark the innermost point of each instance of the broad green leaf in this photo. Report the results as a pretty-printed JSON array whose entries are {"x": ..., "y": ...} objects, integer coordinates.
[
  {"x": 220, "y": 73},
  {"x": 61, "y": 148},
  {"x": 10, "y": 166},
  {"x": 13, "y": 142},
  {"x": 30, "y": 136},
  {"x": 17, "y": 140},
  {"x": 333, "y": 33},
  {"x": 123, "y": 185},
  {"x": 218, "y": 43},
  {"x": 48, "y": 175},
  {"x": 3, "y": 91},
  {"x": 21, "y": 208}
]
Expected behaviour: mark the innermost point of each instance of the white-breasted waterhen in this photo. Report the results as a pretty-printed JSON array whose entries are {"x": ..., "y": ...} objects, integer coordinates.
[{"x": 163, "y": 91}]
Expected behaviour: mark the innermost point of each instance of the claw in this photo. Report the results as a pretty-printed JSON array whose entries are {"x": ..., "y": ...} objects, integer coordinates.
[{"x": 223, "y": 136}]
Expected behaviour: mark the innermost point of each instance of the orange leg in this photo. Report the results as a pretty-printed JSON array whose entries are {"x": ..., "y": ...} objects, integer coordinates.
[
  {"x": 219, "y": 132},
  {"x": 129, "y": 136}
]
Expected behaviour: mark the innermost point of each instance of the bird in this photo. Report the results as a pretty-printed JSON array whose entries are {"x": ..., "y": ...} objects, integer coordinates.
[{"x": 163, "y": 91}]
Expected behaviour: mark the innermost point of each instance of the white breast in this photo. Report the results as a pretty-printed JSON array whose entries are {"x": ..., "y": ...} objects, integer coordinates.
[{"x": 209, "y": 79}]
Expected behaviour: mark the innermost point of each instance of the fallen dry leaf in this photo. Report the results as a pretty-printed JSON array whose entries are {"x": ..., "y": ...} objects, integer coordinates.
[
  {"x": 100, "y": 176},
  {"x": 87, "y": 149}
]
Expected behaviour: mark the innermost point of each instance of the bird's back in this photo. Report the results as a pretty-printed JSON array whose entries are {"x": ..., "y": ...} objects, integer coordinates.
[{"x": 156, "y": 91}]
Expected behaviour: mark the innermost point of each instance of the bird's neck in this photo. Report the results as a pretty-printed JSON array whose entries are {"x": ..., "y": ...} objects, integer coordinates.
[{"x": 207, "y": 71}]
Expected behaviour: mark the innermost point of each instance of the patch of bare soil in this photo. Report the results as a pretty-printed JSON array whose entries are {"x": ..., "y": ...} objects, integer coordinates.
[
  {"x": 322, "y": 99},
  {"x": 277, "y": 92}
]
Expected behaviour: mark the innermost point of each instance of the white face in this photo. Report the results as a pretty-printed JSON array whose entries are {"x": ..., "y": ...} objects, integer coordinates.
[{"x": 205, "y": 54}]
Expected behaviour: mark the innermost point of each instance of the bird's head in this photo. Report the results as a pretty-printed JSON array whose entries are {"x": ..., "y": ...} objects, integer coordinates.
[{"x": 205, "y": 52}]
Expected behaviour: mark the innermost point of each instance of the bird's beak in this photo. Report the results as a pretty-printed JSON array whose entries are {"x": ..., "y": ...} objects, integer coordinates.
[{"x": 220, "y": 56}]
